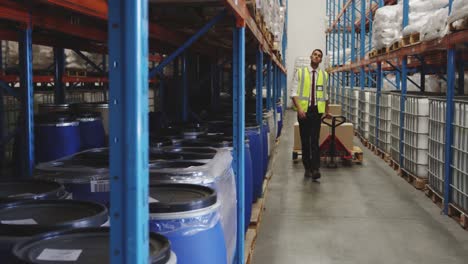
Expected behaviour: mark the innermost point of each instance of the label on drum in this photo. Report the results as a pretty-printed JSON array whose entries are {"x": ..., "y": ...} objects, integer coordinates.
[
  {"x": 278, "y": 116},
  {"x": 100, "y": 186},
  {"x": 152, "y": 200},
  {"x": 49, "y": 254},
  {"x": 19, "y": 222}
]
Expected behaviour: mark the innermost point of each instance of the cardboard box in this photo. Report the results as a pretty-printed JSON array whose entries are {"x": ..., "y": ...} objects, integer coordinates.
[
  {"x": 345, "y": 133},
  {"x": 297, "y": 137},
  {"x": 334, "y": 109},
  {"x": 324, "y": 132}
]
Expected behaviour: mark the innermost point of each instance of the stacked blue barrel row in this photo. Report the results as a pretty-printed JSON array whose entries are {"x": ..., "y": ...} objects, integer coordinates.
[{"x": 192, "y": 197}]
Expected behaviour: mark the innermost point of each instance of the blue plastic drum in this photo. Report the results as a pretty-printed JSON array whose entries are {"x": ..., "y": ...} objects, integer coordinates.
[
  {"x": 56, "y": 136},
  {"x": 256, "y": 149},
  {"x": 188, "y": 216},
  {"x": 92, "y": 134},
  {"x": 279, "y": 109},
  {"x": 226, "y": 142},
  {"x": 21, "y": 220},
  {"x": 265, "y": 132},
  {"x": 83, "y": 246},
  {"x": 19, "y": 190},
  {"x": 87, "y": 186},
  {"x": 248, "y": 191}
]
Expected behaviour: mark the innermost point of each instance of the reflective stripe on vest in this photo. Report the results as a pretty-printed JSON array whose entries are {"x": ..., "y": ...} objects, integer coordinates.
[{"x": 304, "y": 89}]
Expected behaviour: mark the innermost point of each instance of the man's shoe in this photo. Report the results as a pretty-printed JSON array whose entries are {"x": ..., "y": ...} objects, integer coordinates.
[
  {"x": 316, "y": 174},
  {"x": 307, "y": 174}
]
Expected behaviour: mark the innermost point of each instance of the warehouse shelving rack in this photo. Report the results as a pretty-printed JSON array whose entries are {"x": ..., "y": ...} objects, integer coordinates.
[
  {"x": 442, "y": 56},
  {"x": 131, "y": 33}
]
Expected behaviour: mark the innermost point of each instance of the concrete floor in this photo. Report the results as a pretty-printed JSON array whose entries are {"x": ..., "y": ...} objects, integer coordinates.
[{"x": 356, "y": 215}]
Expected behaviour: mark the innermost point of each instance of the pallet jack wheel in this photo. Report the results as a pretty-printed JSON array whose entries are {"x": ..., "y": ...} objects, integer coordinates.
[{"x": 295, "y": 155}]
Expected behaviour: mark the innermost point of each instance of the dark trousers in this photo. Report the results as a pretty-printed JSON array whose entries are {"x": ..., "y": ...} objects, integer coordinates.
[{"x": 310, "y": 133}]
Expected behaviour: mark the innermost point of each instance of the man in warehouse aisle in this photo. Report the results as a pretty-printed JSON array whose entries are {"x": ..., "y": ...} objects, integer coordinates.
[{"x": 310, "y": 100}]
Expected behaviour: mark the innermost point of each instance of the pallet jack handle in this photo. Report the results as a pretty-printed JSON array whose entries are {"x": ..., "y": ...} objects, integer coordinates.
[
  {"x": 341, "y": 120},
  {"x": 336, "y": 121}
]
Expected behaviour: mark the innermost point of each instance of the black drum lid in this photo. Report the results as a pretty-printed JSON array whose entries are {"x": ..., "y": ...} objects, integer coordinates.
[
  {"x": 30, "y": 190},
  {"x": 27, "y": 218},
  {"x": 84, "y": 245},
  {"x": 174, "y": 198}
]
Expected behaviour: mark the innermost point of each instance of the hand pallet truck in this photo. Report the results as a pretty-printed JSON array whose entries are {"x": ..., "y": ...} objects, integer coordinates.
[{"x": 333, "y": 148}]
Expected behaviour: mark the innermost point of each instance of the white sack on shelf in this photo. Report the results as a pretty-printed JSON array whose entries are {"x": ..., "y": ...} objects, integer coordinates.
[
  {"x": 443, "y": 84},
  {"x": 433, "y": 83},
  {"x": 75, "y": 62},
  {"x": 387, "y": 26},
  {"x": 410, "y": 87},
  {"x": 421, "y": 12},
  {"x": 42, "y": 58},
  {"x": 436, "y": 26},
  {"x": 459, "y": 10},
  {"x": 419, "y": 6}
]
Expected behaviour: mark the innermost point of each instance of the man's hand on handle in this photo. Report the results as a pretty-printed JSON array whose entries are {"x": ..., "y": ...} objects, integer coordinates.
[{"x": 301, "y": 114}]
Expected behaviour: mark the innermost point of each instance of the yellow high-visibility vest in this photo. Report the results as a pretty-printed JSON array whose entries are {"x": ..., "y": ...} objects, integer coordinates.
[{"x": 305, "y": 84}]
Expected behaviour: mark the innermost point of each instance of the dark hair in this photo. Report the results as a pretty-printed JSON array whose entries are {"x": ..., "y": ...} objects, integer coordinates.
[{"x": 319, "y": 50}]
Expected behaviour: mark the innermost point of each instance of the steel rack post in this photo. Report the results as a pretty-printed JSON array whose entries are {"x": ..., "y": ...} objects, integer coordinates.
[
  {"x": 128, "y": 139},
  {"x": 27, "y": 102},
  {"x": 59, "y": 63},
  {"x": 379, "y": 94},
  {"x": 449, "y": 127},
  {"x": 404, "y": 82},
  {"x": 239, "y": 132},
  {"x": 363, "y": 43}
]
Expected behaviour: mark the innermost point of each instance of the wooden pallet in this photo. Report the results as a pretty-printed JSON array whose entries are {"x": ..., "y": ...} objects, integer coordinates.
[
  {"x": 434, "y": 196},
  {"x": 372, "y": 53},
  {"x": 249, "y": 246},
  {"x": 258, "y": 209},
  {"x": 257, "y": 212},
  {"x": 417, "y": 182},
  {"x": 411, "y": 39},
  {"x": 458, "y": 215},
  {"x": 356, "y": 152},
  {"x": 76, "y": 73},
  {"x": 251, "y": 6},
  {"x": 459, "y": 25},
  {"x": 364, "y": 141},
  {"x": 395, "y": 46},
  {"x": 371, "y": 147},
  {"x": 455, "y": 212},
  {"x": 394, "y": 164},
  {"x": 358, "y": 155},
  {"x": 382, "y": 154},
  {"x": 383, "y": 51},
  {"x": 258, "y": 18}
]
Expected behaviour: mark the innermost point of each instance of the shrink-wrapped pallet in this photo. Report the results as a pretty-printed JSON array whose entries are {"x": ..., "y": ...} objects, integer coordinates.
[{"x": 387, "y": 26}]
